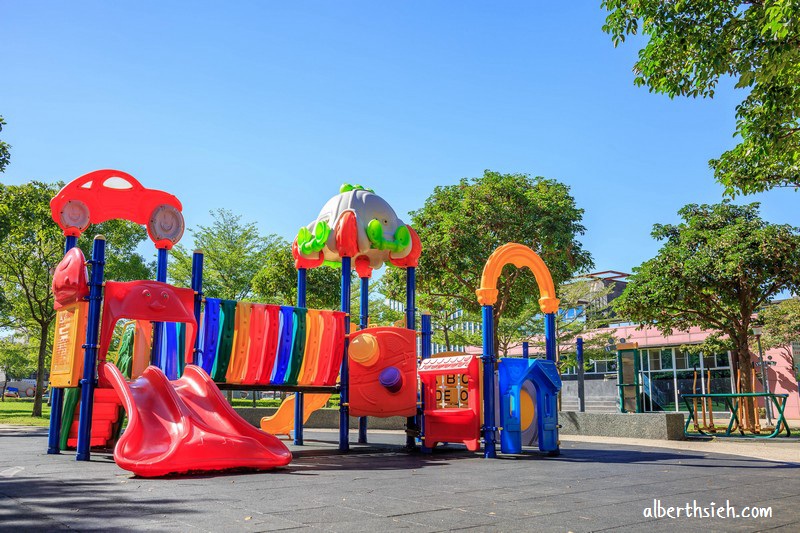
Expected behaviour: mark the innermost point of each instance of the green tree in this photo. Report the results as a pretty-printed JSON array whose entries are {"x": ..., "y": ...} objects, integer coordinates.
[
  {"x": 715, "y": 269},
  {"x": 17, "y": 360},
  {"x": 584, "y": 311},
  {"x": 693, "y": 44},
  {"x": 233, "y": 253},
  {"x": 5, "y": 149},
  {"x": 276, "y": 280},
  {"x": 32, "y": 247},
  {"x": 123, "y": 261},
  {"x": 781, "y": 327},
  {"x": 461, "y": 225}
]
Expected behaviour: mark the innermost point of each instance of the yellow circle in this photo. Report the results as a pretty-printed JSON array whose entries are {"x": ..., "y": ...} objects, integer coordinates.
[
  {"x": 527, "y": 410},
  {"x": 364, "y": 350}
]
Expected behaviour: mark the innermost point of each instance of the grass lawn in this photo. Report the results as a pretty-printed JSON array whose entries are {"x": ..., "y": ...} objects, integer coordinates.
[
  {"x": 240, "y": 402},
  {"x": 18, "y": 411}
]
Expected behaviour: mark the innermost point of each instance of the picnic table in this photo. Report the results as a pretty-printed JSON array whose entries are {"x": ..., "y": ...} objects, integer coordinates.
[{"x": 732, "y": 401}]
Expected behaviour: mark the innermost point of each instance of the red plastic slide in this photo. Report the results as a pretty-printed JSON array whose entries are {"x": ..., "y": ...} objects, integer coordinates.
[{"x": 186, "y": 425}]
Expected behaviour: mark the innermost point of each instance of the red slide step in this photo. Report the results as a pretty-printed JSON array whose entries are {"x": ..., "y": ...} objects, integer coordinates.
[{"x": 105, "y": 417}]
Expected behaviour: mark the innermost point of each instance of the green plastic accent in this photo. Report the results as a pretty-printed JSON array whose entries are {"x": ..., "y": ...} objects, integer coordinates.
[
  {"x": 71, "y": 398},
  {"x": 346, "y": 187},
  {"x": 225, "y": 346},
  {"x": 125, "y": 365},
  {"x": 402, "y": 237},
  {"x": 332, "y": 264},
  {"x": 298, "y": 346},
  {"x": 309, "y": 244},
  {"x": 125, "y": 353}
]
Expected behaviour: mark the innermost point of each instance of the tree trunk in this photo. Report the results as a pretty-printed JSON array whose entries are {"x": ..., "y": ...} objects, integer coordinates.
[
  {"x": 5, "y": 384},
  {"x": 744, "y": 361},
  {"x": 446, "y": 332},
  {"x": 37, "y": 397}
]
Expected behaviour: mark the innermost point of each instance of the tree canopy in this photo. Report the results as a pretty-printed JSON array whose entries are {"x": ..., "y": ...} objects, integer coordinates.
[
  {"x": 233, "y": 254},
  {"x": 123, "y": 261},
  {"x": 461, "y": 225},
  {"x": 716, "y": 268},
  {"x": 5, "y": 149},
  {"x": 276, "y": 280},
  {"x": 692, "y": 45},
  {"x": 781, "y": 325},
  {"x": 32, "y": 247},
  {"x": 17, "y": 360}
]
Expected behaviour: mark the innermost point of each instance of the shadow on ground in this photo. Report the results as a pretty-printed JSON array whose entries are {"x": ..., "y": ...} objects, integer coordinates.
[{"x": 26, "y": 502}]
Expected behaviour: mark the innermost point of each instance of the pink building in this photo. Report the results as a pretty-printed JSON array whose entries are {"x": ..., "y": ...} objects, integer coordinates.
[{"x": 660, "y": 348}]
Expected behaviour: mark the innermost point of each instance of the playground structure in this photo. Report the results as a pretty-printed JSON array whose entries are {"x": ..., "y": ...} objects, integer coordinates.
[{"x": 183, "y": 347}]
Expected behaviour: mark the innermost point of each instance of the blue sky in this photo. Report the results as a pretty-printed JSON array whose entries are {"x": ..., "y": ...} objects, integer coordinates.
[{"x": 266, "y": 107}]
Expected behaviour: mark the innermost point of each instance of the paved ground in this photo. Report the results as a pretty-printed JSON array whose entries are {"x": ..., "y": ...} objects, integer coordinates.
[{"x": 592, "y": 486}]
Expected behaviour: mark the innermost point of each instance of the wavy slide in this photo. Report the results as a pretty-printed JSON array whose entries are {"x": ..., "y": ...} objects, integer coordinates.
[
  {"x": 186, "y": 425},
  {"x": 282, "y": 422}
]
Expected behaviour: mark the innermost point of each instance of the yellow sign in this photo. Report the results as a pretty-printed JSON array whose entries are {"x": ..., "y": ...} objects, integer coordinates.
[{"x": 66, "y": 365}]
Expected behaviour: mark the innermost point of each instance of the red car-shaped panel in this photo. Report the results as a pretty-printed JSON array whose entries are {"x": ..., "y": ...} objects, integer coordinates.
[{"x": 108, "y": 194}]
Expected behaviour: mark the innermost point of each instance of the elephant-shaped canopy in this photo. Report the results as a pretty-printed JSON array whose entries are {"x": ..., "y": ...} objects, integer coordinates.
[{"x": 355, "y": 223}]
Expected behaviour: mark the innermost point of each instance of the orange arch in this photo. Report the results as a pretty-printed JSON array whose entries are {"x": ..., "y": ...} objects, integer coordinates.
[{"x": 519, "y": 256}]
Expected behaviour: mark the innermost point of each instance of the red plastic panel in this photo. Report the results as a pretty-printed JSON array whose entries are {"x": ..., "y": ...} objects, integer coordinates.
[
  {"x": 346, "y": 234},
  {"x": 303, "y": 262},
  {"x": 446, "y": 365},
  {"x": 186, "y": 426},
  {"x": 412, "y": 259},
  {"x": 105, "y": 418},
  {"x": 258, "y": 336},
  {"x": 105, "y": 199},
  {"x": 331, "y": 350},
  {"x": 272, "y": 328},
  {"x": 386, "y": 385},
  {"x": 455, "y": 424},
  {"x": 70, "y": 280},
  {"x": 146, "y": 300}
]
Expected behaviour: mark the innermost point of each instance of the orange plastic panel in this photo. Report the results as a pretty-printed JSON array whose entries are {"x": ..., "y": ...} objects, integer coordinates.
[
  {"x": 311, "y": 356},
  {"x": 66, "y": 365},
  {"x": 142, "y": 347},
  {"x": 519, "y": 256},
  {"x": 241, "y": 344}
]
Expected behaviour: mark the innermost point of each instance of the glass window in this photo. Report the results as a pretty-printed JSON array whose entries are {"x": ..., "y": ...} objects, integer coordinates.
[
  {"x": 655, "y": 360},
  {"x": 666, "y": 358},
  {"x": 694, "y": 361},
  {"x": 645, "y": 360},
  {"x": 722, "y": 360},
  {"x": 681, "y": 359},
  {"x": 709, "y": 361}
]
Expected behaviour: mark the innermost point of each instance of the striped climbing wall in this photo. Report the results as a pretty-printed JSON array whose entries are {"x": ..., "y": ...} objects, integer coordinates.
[{"x": 260, "y": 344}]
